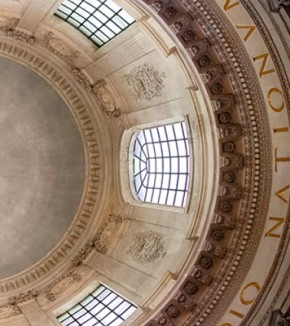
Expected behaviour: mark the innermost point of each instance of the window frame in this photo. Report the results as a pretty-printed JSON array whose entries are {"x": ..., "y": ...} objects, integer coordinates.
[
  {"x": 167, "y": 192},
  {"x": 104, "y": 14},
  {"x": 126, "y": 165},
  {"x": 95, "y": 300}
]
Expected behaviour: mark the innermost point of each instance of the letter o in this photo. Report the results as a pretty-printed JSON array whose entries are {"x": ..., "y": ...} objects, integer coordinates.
[
  {"x": 252, "y": 284},
  {"x": 272, "y": 106}
]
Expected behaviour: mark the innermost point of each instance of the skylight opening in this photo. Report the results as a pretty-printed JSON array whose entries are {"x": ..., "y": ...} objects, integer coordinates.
[
  {"x": 101, "y": 307},
  {"x": 161, "y": 161},
  {"x": 99, "y": 20}
]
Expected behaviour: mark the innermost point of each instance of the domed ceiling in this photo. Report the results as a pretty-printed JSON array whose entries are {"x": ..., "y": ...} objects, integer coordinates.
[
  {"x": 42, "y": 168},
  {"x": 68, "y": 112}
]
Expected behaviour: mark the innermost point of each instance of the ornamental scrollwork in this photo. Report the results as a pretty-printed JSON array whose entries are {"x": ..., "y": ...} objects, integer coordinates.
[
  {"x": 23, "y": 297},
  {"x": 59, "y": 47},
  {"x": 61, "y": 285},
  {"x": 8, "y": 310},
  {"x": 106, "y": 99},
  {"x": 147, "y": 246},
  {"x": 146, "y": 82}
]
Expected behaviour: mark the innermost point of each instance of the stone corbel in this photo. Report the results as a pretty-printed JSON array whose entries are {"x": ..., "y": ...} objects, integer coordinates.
[
  {"x": 279, "y": 319},
  {"x": 275, "y": 5}
]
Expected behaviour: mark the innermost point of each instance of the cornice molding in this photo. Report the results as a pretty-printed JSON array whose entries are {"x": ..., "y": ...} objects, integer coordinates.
[{"x": 205, "y": 35}]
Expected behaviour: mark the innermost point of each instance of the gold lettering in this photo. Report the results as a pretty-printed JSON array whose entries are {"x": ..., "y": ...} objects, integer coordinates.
[
  {"x": 279, "y": 159},
  {"x": 279, "y": 220},
  {"x": 226, "y": 324},
  {"x": 247, "y": 301},
  {"x": 250, "y": 28},
  {"x": 280, "y": 193},
  {"x": 270, "y": 100},
  {"x": 263, "y": 57},
  {"x": 237, "y": 314},
  {"x": 284, "y": 129},
  {"x": 228, "y": 5}
]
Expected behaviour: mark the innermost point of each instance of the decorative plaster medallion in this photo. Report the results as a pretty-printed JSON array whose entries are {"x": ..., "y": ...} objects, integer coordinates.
[
  {"x": 107, "y": 233},
  {"x": 59, "y": 47},
  {"x": 147, "y": 246},
  {"x": 106, "y": 98},
  {"x": 61, "y": 285},
  {"x": 146, "y": 82}
]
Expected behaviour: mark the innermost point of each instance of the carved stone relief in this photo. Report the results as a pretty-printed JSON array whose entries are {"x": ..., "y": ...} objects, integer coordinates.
[
  {"x": 59, "y": 47},
  {"x": 279, "y": 319},
  {"x": 107, "y": 233},
  {"x": 100, "y": 91},
  {"x": 62, "y": 284},
  {"x": 23, "y": 297},
  {"x": 146, "y": 82},
  {"x": 147, "y": 246},
  {"x": 84, "y": 252},
  {"x": 9, "y": 310},
  {"x": 9, "y": 26},
  {"x": 106, "y": 98}
]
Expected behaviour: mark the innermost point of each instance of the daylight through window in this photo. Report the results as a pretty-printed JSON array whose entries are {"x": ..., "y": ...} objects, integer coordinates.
[
  {"x": 101, "y": 307},
  {"x": 99, "y": 20},
  {"x": 161, "y": 161}
]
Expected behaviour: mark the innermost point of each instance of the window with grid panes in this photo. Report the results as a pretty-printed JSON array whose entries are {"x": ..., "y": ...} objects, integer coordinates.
[
  {"x": 99, "y": 20},
  {"x": 101, "y": 307},
  {"x": 161, "y": 161}
]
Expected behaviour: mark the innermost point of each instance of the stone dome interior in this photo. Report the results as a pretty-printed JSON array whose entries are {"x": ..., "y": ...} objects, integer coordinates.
[{"x": 42, "y": 168}]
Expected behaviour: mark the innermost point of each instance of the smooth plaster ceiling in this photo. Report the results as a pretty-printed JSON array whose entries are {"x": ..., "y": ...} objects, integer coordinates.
[{"x": 42, "y": 168}]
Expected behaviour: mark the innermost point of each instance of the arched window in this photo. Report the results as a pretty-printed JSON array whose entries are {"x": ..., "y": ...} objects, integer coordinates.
[
  {"x": 161, "y": 161},
  {"x": 99, "y": 20},
  {"x": 101, "y": 307}
]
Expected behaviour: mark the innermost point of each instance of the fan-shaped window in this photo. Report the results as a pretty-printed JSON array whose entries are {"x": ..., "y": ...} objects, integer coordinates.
[
  {"x": 101, "y": 307},
  {"x": 99, "y": 20},
  {"x": 161, "y": 163}
]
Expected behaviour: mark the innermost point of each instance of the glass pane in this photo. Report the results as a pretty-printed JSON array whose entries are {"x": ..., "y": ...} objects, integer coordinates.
[
  {"x": 102, "y": 307},
  {"x": 100, "y": 20},
  {"x": 165, "y": 167}
]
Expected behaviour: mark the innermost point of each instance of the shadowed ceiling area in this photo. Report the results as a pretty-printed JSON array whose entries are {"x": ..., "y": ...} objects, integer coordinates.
[{"x": 42, "y": 168}]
